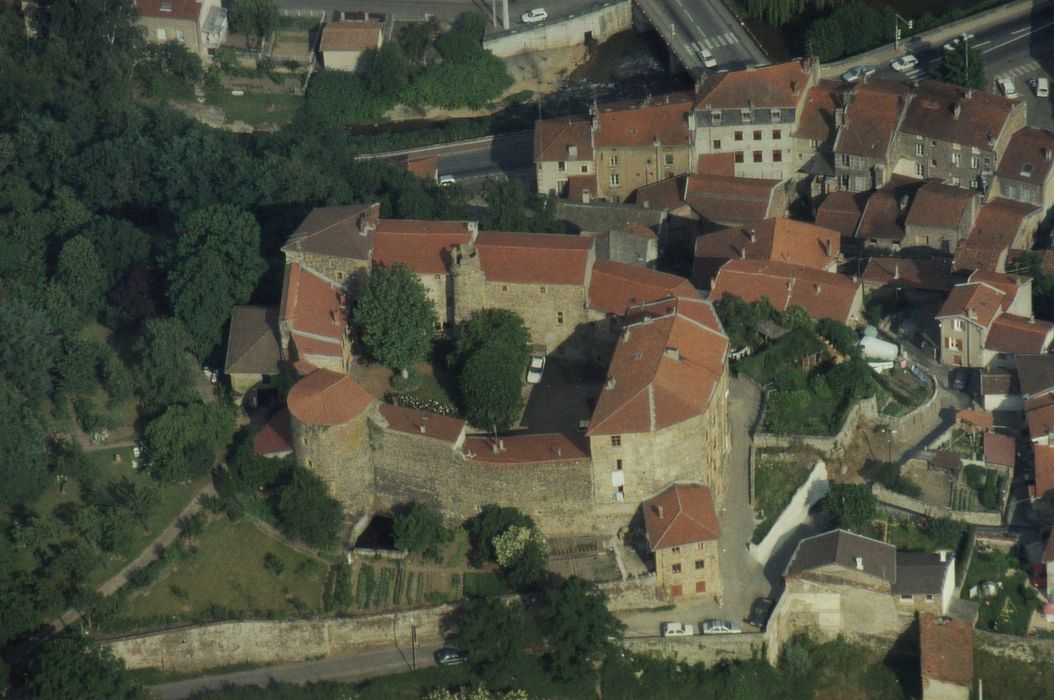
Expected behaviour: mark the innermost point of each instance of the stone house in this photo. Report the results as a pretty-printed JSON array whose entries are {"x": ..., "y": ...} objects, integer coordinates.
[
  {"x": 199, "y": 25},
  {"x": 945, "y": 657},
  {"x": 313, "y": 319},
  {"x": 940, "y": 217},
  {"x": 867, "y": 120},
  {"x": 882, "y": 223},
  {"x": 1002, "y": 225},
  {"x": 754, "y": 114},
  {"x": 814, "y": 139},
  {"x": 956, "y": 134},
  {"x": 1036, "y": 379},
  {"x": 344, "y": 43},
  {"x": 1024, "y": 173},
  {"x": 253, "y": 351},
  {"x": 916, "y": 278},
  {"x": 563, "y": 148},
  {"x": 841, "y": 581},
  {"x": 821, "y": 294},
  {"x": 841, "y": 211},
  {"x": 683, "y": 534}
]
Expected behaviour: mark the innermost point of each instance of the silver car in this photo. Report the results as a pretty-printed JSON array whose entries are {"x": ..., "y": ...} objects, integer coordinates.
[{"x": 720, "y": 627}]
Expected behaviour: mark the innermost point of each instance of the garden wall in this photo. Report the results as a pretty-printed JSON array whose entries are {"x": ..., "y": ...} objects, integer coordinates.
[
  {"x": 796, "y": 513},
  {"x": 560, "y": 32},
  {"x": 862, "y": 411},
  {"x": 192, "y": 649},
  {"x": 708, "y": 649},
  {"x": 1020, "y": 648},
  {"x": 896, "y": 500}
]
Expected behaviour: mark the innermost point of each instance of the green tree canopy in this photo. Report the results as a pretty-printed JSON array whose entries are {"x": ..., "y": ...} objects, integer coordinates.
[
  {"x": 506, "y": 206},
  {"x": 74, "y": 666},
  {"x": 23, "y": 467},
  {"x": 963, "y": 65},
  {"x": 386, "y": 70},
  {"x": 851, "y": 507},
  {"x": 165, "y": 374},
  {"x": 182, "y": 442},
  {"x": 29, "y": 349},
  {"x": 492, "y": 327},
  {"x": 491, "y": 386},
  {"x": 81, "y": 272},
  {"x": 578, "y": 627},
  {"x": 495, "y": 636},
  {"x": 307, "y": 512},
  {"x": 395, "y": 316},
  {"x": 254, "y": 18},
  {"x": 491, "y": 521},
  {"x": 215, "y": 264},
  {"x": 420, "y": 530}
]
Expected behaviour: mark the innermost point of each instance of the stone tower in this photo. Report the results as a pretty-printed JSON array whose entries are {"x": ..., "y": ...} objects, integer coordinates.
[
  {"x": 469, "y": 294},
  {"x": 329, "y": 415}
]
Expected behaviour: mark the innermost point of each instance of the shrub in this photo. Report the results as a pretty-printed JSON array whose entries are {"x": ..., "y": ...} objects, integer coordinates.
[
  {"x": 410, "y": 382},
  {"x": 274, "y": 564}
]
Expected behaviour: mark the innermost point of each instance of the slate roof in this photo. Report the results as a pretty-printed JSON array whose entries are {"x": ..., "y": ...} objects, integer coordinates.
[
  {"x": 344, "y": 232},
  {"x": 1036, "y": 374},
  {"x": 252, "y": 342},
  {"x": 917, "y": 273},
  {"x": 919, "y": 573},
  {"x": 533, "y": 258},
  {"x": 614, "y": 286},
  {"x": 325, "y": 397},
  {"x": 765, "y": 88},
  {"x": 931, "y": 114},
  {"x": 526, "y": 449},
  {"x": 682, "y": 514},
  {"x": 276, "y": 437},
  {"x": 946, "y": 649},
  {"x": 821, "y": 294},
  {"x": 423, "y": 246},
  {"x": 422, "y": 423},
  {"x": 1015, "y": 334},
  {"x": 351, "y": 36},
  {"x": 841, "y": 548},
  {"x": 637, "y": 124},
  {"x": 999, "y": 449},
  {"x": 605, "y": 216},
  {"x": 665, "y": 368},
  {"x": 1027, "y": 157},
  {"x": 552, "y": 137}
]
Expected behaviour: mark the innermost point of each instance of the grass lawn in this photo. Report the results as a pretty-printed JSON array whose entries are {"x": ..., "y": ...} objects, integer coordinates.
[
  {"x": 229, "y": 571},
  {"x": 776, "y": 478},
  {"x": 990, "y": 566},
  {"x": 1010, "y": 678},
  {"x": 908, "y": 536},
  {"x": 254, "y": 108}
]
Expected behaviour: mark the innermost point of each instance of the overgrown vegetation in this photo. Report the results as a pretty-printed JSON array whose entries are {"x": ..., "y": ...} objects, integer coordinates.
[{"x": 778, "y": 474}]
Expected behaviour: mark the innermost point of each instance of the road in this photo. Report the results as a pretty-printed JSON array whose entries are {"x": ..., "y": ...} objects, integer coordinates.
[
  {"x": 511, "y": 155},
  {"x": 368, "y": 664},
  {"x": 688, "y": 26}
]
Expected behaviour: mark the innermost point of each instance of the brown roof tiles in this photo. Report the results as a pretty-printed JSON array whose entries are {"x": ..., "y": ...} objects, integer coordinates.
[
  {"x": 1015, "y": 334},
  {"x": 312, "y": 306},
  {"x": 325, "y": 397},
  {"x": 821, "y": 294},
  {"x": 533, "y": 258},
  {"x": 817, "y": 115},
  {"x": 768, "y": 87},
  {"x": 344, "y": 232},
  {"x": 730, "y": 201},
  {"x": 174, "y": 9},
  {"x": 680, "y": 515},
  {"x": 983, "y": 300},
  {"x": 918, "y": 273},
  {"x": 351, "y": 36},
  {"x": 627, "y": 125},
  {"x": 871, "y": 119},
  {"x": 563, "y": 139},
  {"x": 946, "y": 650},
  {"x": 1028, "y": 156},
  {"x": 614, "y": 286},
  {"x": 276, "y": 437},
  {"x": 423, "y": 423},
  {"x": 785, "y": 240},
  {"x": 252, "y": 345},
  {"x": 423, "y": 246},
  {"x": 526, "y": 449},
  {"x": 931, "y": 113},
  {"x": 937, "y": 205},
  {"x": 841, "y": 211},
  {"x": 999, "y": 226},
  {"x": 1044, "y": 470},
  {"x": 999, "y": 450},
  {"x": 882, "y": 217}
]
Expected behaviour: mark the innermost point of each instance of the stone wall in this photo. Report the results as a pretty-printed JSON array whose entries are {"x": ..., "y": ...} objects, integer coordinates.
[
  {"x": 340, "y": 456},
  {"x": 863, "y": 411},
  {"x": 1018, "y": 648},
  {"x": 796, "y": 513},
  {"x": 552, "y": 313},
  {"x": 897, "y": 500},
  {"x": 338, "y": 270},
  {"x": 194, "y": 649},
  {"x": 707, "y": 649},
  {"x": 600, "y": 23}
]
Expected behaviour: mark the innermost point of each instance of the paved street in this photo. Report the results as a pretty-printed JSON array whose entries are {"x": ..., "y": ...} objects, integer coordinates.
[
  {"x": 511, "y": 155},
  {"x": 689, "y": 26}
]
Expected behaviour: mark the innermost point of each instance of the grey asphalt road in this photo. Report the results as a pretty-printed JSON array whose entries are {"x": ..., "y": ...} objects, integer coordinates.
[
  {"x": 688, "y": 26},
  {"x": 351, "y": 668},
  {"x": 448, "y": 10},
  {"x": 508, "y": 155}
]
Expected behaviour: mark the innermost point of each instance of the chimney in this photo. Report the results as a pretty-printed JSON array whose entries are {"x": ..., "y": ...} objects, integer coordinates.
[
  {"x": 422, "y": 428},
  {"x": 610, "y": 383},
  {"x": 625, "y": 336},
  {"x": 494, "y": 447},
  {"x": 1047, "y": 154},
  {"x": 501, "y": 445},
  {"x": 659, "y": 510},
  {"x": 818, "y": 289},
  {"x": 794, "y": 87},
  {"x": 957, "y": 109},
  {"x": 859, "y": 563},
  {"x": 969, "y": 92},
  {"x": 943, "y": 554},
  {"x": 673, "y": 354},
  {"x": 572, "y": 152},
  {"x": 743, "y": 253},
  {"x": 1032, "y": 319},
  {"x": 971, "y": 314},
  {"x": 896, "y": 271},
  {"x": 828, "y": 248},
  {"x": 559, "y": 452},
  {"x": 839, "y": 116},
  {"x": 753, "y": 236}
]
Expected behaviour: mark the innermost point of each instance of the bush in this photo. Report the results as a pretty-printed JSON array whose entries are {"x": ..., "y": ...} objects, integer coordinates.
[
  {"x": 89, "y": 420},
  {"x": 337, "y": 98},
  {"x": 410, "y": 382},
  {"x": 274, "y": 564},
  {"x": 364, "y": 587}
]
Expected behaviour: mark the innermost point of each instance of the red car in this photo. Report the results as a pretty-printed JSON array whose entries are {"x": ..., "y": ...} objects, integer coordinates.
[{"x": 1039, "y": 576}]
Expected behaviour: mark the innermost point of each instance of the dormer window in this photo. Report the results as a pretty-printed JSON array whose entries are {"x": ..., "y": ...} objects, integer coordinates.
[
  {"x": 744, "y": 115},
  {"x": 715, "y": 116},
  {"x": 776, "y": 115},
  {"x": 166, "y": 6},
  {"x": 1026, "y": 170}
]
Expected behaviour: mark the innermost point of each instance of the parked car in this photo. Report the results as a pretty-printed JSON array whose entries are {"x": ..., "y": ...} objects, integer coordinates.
[
  {"x": 958, "y": 379},
  {"x": 1040, "y": 86},
  {"x": 719, "y": 627},
  {"x": 760, "y": 611},
  {"x": 534, "y": 16},
  {"x": 904, "y": 63},
  {"x": 707, "y": 58},
  {"x": 1006, "y": 86},
  {"x": 535, "y": 369},
  {"x": 449, "y": 656},
  {"x": 445, "y": 180},
  {"x": 956, "y": 41},
  {"x": 676, "y": 629},
  {"x": 858, "y": 73}
]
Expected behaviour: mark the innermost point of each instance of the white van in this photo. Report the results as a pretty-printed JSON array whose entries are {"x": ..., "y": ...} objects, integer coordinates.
[{"x": 1040, "y": 86}]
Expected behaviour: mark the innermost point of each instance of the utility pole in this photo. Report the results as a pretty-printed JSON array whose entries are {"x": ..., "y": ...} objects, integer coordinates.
[
  {"x": 897, "y": 19},
  {"x": 413, "y": 645}
]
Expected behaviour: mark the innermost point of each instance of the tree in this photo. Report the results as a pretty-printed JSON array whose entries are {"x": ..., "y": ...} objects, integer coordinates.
[
  {"x": 420, "y": 530},
  {"x": 386, "y": 70},
  {"x": 253, "y": 470},
  {"x": 841, "y": 336},
  {"x": 29, "y": 347},
  {"x": 82, "y": 274},
  {"x": 165, "y": 375},
  {"x": 307, "y": 512},
  {"x": 124, "y": 245},
  {"x": 1042, "y": 284},
  {"x": 74, "y": 666},
  {"x": 491, "y": 521},
  {"x": 464, "y": 42},
  {"x": 215, "y": 264},
  {"x": 964, "y": 66},
  {"x": 23, "y": 467},
  {"x": 183, "y": 441},
  {"x": 738, "y": 319},
  {"x": 492, "y": 327},
  {"x": 495, "y": 636},
  {"x": 851, "y": 507},
  {"x": 506, "y": 206},
  {"x": 395, "y": 316},
  {"x": 522, "y": 553},
  {"x": 254, "y": 18},
  {"x": 491, "y": 356},
  {"x": 577, "y": 626},
  {"x": 140, "y": 500}
]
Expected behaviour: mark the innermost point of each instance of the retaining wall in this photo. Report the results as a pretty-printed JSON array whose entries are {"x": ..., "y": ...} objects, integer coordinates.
[
  {"x": 796, "y": 513},
  {"x": 600, "y": 22},
  {"x": 708, "y": 649},
  {"x": 864, "y": 410},
  {"x": 914, "y": 505}
]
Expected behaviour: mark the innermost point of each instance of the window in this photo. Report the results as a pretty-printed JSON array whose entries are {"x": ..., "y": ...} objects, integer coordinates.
[
  {"x": 585, "y": 168},
  {"x": 757, "y": 134},
  {"x": 953, "y": 343},
  {"x": 905, "y": 598},
  {"x": 920, "y": 149},
  {"x": 669, "y": 158},
  {"x": 717, "y": 144},
  {"x": 777, "y": 156},
  {"x": 340, "y": 275},
  {"x": 929, "y": 597},
  {"x": 843, "y": 182},
  {"x": 310, "y": 463},
  {"x": 162, "y": 35},
  {"x": 504, "y": 287},
  {"x": 759, "y": 157},
  {"x": 933, "y": 162},
  {"x": 613, "y": 161},
  {"x": 181, "y": 36},
  {"x": 920, "y": 169},
  {"x": 739, "y": 156},
  {"x": 699, "y": 564},
  {"x": 956, "y": 159},
  {"x": 738, "y": 135},
  {"x": 620, "y": 494},
  {"x": 933, "y": 142},
  {"x": 988, "y": 163},
  {"x": 561, "y": 166},
  {"x": 715, "y": 117},
  {"x": 955, "y": 179},
  {"x": 700, "y": 586},
  {"x": 618, "y": 465},
  {"x": 775, "y": 116},
  {"x": 744, "y": 115},
  {"x": 957, "y": 324},
  {"x": 777, "y": 134},
  {"x": 676, "y": 568},
  {"x": 616, "y": 441},
  {"x": 974, "y": 162},
  {"x": 957, "y": 147},
  {"x": 844, "y": 161},
  {"x": 559, "y": 318},
  {"x": 304, "y": 439},
  {"x": 675, "y": 550},
  {"x": 614, "y": 179}
]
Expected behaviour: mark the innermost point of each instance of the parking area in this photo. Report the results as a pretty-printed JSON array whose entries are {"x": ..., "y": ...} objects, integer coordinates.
[{"x": 563, "y": 398}]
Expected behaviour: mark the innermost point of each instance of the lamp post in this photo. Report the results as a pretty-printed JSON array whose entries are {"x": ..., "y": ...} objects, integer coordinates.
[{"x": 897, "y": 19}]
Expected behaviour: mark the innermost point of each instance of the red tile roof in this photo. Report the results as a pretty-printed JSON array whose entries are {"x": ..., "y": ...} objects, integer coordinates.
[
  {"x": 276, "y": 437},
  {"x": 325, "y": 397},
  {"x": 937, "y": 205},
  {"x": 615, "y": 286},
  {"x": 628, "y": 125},
  {"x": 717, "y": 164},
  {"x": 999, "y": 450},
  {"x": 1029, "y": 151},
  {"x": 998, "y": 227},
  {"x": 422, "y": 423},
  {"x": 578, "y": 185},
  {"x": 1044, "y": 470},
  {"x": 871, "y": 119},
  {"x": 1016, "y": 335},
  {"x": 981, "y": 118},
  {"x": 821, "y": 294},
  {"x": 177, "y": 9},
  {"x": 423, "y": 246},
  {"x": 1039, "y": 414},
  {"x": 312, "y": 306},
  {"x": 1009, "y": 284},
  {"x": 533, "y": 258},
  {"x": 841, "y": 211},
  {"x": 664, "y": 194},
  {"x": 882, "y": 218},
  {"x": 817, "y": 114},
  {"x": 526, "y": 449},
  {"x": 918, "y": 273},
  {"x": 983, "y": 299},
  {"x": 977, "y": 418},
  {"x": 306, "y": 346},
  {"x": 946, "y": 649},
  {"x": 351, "y": 36},
  {"x": 683, "y": 514},
  {"x": 765, "y": 88},
  {"x": 553, "y": 139},
  {"x": 424, "y": 167},
  {"x": 664, "y": 370},
  {"x": 730, "y": 201},
  {"x": 795, "y": 242}
]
